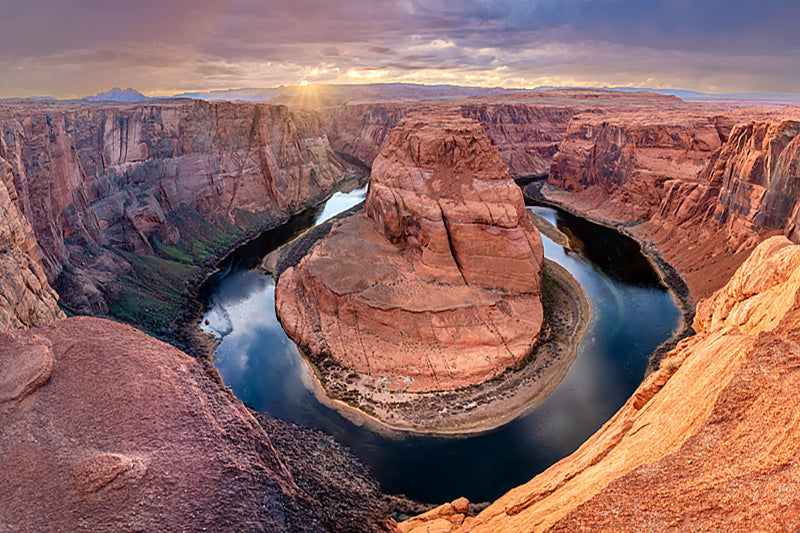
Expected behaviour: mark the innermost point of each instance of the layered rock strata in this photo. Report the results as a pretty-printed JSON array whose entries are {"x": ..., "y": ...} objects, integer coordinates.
[
  {"x": 437, "y": 287},
  {"x": 708, "y": 442},
  {"x": 751, "y": 184},
  {"x": 526, "y": 128},
  {"x": 107, "y": 429},
  {"x": 26, "y": 299},
  {"x": 658, "y": 179},
  {"x": 621, "y": 161},
  {"x": 105, "y": 185}
]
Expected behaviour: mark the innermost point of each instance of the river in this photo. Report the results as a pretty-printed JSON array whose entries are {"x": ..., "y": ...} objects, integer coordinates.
[{"x": 632, "y": 314}]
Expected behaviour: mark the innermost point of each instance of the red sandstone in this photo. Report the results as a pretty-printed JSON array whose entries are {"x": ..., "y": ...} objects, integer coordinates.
[{"x": 437, "y": 287}]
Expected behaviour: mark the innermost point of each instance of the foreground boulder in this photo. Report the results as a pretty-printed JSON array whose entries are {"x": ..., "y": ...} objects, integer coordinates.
[
  {"x": 107, "y": 429},
  {"x": 709, "y": 442},
  {"x": 437, "y": 286}
]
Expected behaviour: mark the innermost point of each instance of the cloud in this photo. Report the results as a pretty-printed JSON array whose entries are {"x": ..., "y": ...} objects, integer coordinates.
[{"x": 78, "y": 47}]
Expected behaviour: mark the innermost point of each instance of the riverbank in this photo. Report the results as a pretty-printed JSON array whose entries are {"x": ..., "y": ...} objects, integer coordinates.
[
  {"x": 546, "y": 194},
  {"x": 473, "y": 409}
]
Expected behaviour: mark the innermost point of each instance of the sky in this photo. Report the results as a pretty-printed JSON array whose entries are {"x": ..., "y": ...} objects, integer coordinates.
[{"x": 73, "y": 48}]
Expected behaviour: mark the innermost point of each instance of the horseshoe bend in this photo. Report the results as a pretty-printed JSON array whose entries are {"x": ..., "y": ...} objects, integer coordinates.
[{"x": 436, "y": 286}]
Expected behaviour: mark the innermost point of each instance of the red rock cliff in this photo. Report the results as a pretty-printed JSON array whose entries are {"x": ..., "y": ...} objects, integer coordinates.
[
  {"x": 703, "y": 210},
  {"x": 707, "y": 443},
  {"x": 439, "y": 287},
  {"x": 526, "y": 128},
  {"x": 620, "y": 162},
  {"x": 26, "y": 299},
  {"x": 526, "y": 135}
]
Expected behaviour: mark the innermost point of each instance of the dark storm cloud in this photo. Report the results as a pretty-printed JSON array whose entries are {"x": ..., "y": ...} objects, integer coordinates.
[{"x": 51, "y": 45}]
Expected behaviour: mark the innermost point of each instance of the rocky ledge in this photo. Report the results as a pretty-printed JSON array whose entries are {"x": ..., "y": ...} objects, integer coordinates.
[
  {"x": 107, "y": 429},
  {"x": 436, "y": 286}
]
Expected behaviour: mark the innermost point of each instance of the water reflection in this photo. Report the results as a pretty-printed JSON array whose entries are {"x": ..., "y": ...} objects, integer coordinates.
[
  {"x": 341, "y": 201},
  {"x": 632, "y": 315}
]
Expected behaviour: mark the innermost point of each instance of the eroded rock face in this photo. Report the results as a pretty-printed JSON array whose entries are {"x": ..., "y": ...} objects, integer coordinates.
[
  {"x": 758, "y": 170},
  {"x": 107, "y": 429},
  {"x": 622, "y": 161},
  {"x": 708, "y": 442},
  {"x": 526, "y": 128},
  {"x": 172, "y": 179},
  {"x": 437, "y": 287},
  {"x": 704, "y": 203},
  {"x": 26, "y": 299},
  {"x": 442, "y": 191},
  {"x": 526, "y": 135}
]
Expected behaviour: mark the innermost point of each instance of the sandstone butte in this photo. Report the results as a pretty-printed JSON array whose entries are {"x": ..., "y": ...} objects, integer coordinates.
[
  {"x": 437, "y": 285},
  {"x": 708, "y": 442}
]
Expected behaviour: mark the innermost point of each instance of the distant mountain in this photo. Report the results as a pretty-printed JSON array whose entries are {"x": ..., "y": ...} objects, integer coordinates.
[
  {"x": 118, "y": 95},
  {"x": 335, "y": 94},
  {"x": 698, "y": 96},
  {"x": 30, "y": 99}
]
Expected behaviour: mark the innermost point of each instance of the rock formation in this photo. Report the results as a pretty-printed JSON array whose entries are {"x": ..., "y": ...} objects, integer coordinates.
[
  {"x": 527, "y": 135},
  {"x": 26, "y": 299},
  {"x": 437, "y": 287},
  {"x": 526, "y": 128},
  {"x": 621, "y": 161},
  {"x": 170, "y": 180},
  {"x": 708, "y": 442},
  {"x": 703, "y": 191},
  {"x": 107, "y": 429}
]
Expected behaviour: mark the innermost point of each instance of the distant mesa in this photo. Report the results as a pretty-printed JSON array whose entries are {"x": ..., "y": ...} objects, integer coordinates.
[
  {"x": 118, "y": 95},
  {"x": 437, "y": 285}
]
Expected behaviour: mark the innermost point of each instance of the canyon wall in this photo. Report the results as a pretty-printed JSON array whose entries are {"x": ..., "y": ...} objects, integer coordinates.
[
  {"x": 120, "y": 195},
  {"x": 708, "y": 442},
  {"x": 526, "y": 135},
  {"x": 26, "y": 299},
  {"x": 700, "y": 189},
  {"x": 526, "y": 128},
  {"x": 621, "y": 162},
  {"x": 757, "y": 176}
]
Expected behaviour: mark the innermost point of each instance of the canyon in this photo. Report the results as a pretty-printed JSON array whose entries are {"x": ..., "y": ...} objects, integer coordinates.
[
  {"x": 129, "y": 202},
  {"x": 103, "y": 201}
]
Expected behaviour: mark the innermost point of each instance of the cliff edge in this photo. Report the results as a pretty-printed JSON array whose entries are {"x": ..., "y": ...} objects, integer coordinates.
[
  {"x": 26, "y": 299},
  {"x": 708, "y": 442}
]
